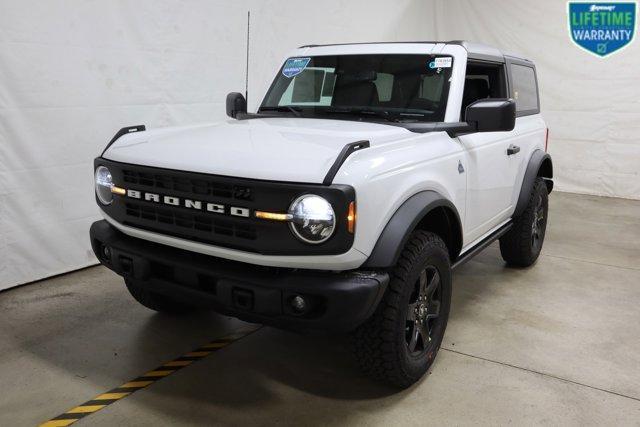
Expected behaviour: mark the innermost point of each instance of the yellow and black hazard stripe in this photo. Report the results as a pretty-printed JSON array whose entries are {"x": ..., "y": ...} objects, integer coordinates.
[{"x": 145, "y": 380}]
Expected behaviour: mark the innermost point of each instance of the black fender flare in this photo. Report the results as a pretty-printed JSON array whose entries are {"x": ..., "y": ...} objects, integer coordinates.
[
  {"x": 395, "y": 234},
  {"x": 540, "y": 164}
]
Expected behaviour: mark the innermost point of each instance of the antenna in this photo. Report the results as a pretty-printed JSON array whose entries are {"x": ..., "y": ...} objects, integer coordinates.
[{"x": 246, "y": 79}]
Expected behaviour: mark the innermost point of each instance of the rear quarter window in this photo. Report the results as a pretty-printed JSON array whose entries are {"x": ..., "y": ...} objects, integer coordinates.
[{"x": 524, "y": 89}]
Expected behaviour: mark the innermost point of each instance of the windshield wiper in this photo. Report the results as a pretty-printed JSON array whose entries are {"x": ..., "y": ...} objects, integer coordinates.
[
  {"x": 386, "y": 115},
  {"x": 284, "y": 108}
]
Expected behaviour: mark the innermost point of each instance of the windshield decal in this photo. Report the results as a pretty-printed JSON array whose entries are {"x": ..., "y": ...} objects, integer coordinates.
[
  {"x": 444, "y": 62},
  {"x": 295, "y": 66}
]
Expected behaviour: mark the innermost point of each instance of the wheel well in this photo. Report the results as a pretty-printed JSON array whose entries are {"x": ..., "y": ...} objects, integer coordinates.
[
  {"x": 444, "y": 222},
  {"x": 546, "y": 171}
]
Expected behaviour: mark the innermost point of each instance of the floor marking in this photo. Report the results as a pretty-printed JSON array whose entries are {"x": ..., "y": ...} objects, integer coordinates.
[
  {"x": 178, "y": 363},
  {"x": 58, "y": 423},
  {"x": 198, "y": 354},
  {"x": 105, "y": 399},
  {"x": 111, "y": 396},
  {"x": 158, "y": 373},
  {"x": 86, "y": 408},
  {"x": 136, "y": 384}
]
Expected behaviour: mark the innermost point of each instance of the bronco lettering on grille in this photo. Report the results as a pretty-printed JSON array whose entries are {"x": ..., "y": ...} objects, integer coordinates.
[{"x": 198, "y": 205}]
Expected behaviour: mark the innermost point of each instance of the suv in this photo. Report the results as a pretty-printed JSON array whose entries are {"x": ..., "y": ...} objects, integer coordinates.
[{"x": 368, "y": 173}]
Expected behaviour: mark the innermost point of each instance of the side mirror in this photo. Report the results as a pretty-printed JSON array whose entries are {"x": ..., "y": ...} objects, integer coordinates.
[
  {"x": 236, "y": 104},
  {"x": 491, "y": 115}
]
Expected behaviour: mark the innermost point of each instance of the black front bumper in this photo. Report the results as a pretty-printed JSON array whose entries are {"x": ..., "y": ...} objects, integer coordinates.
[{"x": 338, "y": 301}]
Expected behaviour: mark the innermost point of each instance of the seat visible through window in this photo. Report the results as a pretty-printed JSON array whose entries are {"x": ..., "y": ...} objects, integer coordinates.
[
  {"x": 355, "y": 93},
  {"x": 474, "y": 88},
  {"x": 483, "y": 81}
]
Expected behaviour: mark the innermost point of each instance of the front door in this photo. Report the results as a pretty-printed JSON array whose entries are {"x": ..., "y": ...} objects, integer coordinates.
[
  {"x": 491, "y": 173},
  {"x": 491, "y": 170}
]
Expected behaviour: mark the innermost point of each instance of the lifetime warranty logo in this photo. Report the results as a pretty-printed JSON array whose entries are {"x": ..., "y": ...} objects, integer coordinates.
[{"x": 602, "y": 28}]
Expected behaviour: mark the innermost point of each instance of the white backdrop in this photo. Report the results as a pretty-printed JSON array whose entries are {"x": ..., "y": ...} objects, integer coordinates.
[
  {"x": 73, "y": 72},
  {"x": 592, "y": 105}
]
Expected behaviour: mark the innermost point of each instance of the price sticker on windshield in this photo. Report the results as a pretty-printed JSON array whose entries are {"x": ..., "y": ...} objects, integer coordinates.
[{"x": 443, "y": 62}]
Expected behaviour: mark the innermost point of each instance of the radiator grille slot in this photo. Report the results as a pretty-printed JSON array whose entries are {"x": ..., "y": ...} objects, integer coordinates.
[
  {"x": 192, "y": 186},
  {"x": 191, "y": 221}
]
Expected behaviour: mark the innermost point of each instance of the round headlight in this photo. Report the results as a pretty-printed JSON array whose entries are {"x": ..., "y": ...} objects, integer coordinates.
[
  {"x": 312, "y": 219},
  {"x": 104, "y": 183}
]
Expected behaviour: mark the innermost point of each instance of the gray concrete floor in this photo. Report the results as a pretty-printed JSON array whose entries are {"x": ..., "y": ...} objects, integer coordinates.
[{"x": 558, "y": 343}]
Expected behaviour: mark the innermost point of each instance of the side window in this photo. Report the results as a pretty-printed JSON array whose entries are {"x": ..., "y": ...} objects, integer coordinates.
[
  {"x": 483, "y": 81},
  {"x": 384, "y": 86},
  {"x": 525, "y": 91}
]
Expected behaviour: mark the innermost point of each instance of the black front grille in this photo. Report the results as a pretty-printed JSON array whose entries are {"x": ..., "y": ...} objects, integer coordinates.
[
  {"x": 192, "y": 186},
  {"x": 188, "y": 220},
  {"x": 231, "y": 222}
]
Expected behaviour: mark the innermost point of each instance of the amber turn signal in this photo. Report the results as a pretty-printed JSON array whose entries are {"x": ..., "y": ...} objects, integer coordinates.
[
  {"x": 118, "y": 190},
  {"x": 351, "y": 218},
  {"x": 273, "y": 216}
]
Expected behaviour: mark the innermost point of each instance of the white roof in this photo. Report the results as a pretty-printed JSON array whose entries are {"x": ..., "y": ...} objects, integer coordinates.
[{"x": 474, "y": 50}]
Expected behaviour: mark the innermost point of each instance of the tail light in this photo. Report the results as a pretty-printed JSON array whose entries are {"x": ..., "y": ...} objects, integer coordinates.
[{"x": 546, "y": 141}]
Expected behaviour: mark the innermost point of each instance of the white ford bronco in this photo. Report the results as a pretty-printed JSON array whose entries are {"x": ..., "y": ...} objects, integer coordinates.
[{"x": 368, "y": 173}]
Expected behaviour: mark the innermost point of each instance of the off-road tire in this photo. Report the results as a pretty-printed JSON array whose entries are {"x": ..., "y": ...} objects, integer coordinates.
[
  {"x": 156, "y": 302},
  {"x": 521, "y": 245},
  {"x": 380, "y": 344}
]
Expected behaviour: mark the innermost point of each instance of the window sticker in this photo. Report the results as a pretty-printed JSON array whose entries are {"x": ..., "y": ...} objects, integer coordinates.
[
  {"x": 295, "y": 66},
  {"x": 444, "y": 62}
]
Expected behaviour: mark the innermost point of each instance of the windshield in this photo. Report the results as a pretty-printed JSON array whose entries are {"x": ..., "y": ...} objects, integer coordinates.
[{"x": 394, "y": 87}]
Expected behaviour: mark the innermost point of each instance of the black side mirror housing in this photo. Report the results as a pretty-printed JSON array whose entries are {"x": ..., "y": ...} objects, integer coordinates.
[
  {"x": 492, "y": 115},
  {"x": 236, "y": 104}
]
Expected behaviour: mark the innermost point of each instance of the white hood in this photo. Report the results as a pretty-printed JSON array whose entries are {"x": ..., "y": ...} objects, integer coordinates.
[{"x": 279, "y": 149}]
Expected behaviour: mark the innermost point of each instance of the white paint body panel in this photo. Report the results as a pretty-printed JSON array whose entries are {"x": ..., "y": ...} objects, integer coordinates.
[
  {"x": 494, "y": 179},
  {"x": 398, "y": 164},
  {"x": 275, "y": 149}
]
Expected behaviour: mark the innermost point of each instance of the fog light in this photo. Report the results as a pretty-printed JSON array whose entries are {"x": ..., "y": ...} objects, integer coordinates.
[{"x": 299, "y": 304}]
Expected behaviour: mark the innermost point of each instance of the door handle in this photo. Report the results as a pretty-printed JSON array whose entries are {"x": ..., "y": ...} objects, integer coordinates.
[{"x": 513, "y": 149}]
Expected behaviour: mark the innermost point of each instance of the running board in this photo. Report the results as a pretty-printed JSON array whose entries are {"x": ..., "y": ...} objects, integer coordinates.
[{"x": 482, "y": 245}]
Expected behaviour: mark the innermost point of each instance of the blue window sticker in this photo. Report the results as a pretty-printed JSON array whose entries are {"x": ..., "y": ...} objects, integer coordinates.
[{"x": 295, "y": 66}]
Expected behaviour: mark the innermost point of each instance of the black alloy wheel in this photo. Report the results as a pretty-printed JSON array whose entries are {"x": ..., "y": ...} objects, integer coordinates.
[
  {"x": 423, "y": 313},
  {"x": 538, "y": 226}
]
